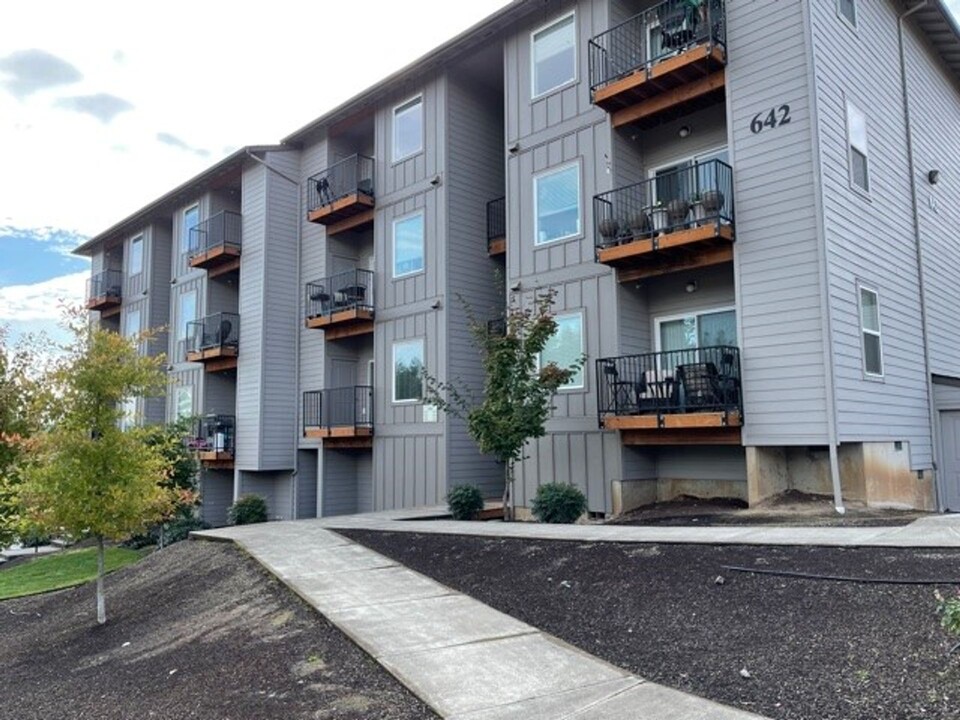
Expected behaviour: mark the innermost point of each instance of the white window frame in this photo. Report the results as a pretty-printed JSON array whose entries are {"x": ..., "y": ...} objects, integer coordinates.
[
  {"x": 583, "y": 344},
  {"x": 536, "y": 203},
  {"x": 418, "y": 98},
  {"x": 423, "y": 245},
  {"x": 182, "y": 329},
  {"x": 127, "y": 330},
  {"x": 660, "y": 319},
  {"x": 534, "y": 95},
  {"x": 129, "y": 413},
  {"x": 184, "y": 232},
  {"x": 878, "y": 333},
  {"x": 393, "y": 370},
  {"x": 848, "y": 105},
  {"x": 131, "y": 271},
  {"x": 856, "y": 14},
  {"x": 181, "y": 390}
]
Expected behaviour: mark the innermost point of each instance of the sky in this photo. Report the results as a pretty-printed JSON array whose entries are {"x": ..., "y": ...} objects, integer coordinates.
[{"x": 105, "y": 106}]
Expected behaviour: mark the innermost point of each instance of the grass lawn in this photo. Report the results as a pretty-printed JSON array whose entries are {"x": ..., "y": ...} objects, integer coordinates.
[{"x": 66, "y": 569}]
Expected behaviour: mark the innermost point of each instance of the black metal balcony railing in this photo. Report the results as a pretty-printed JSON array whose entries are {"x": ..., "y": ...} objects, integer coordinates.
[
  {"x": 496, "y": 219},
  {"x": 215, "y": 434},
  {"x": 704, "y": 379},
  {"x": 223, "y": 230},
  {"x": 346, "y": 407},
  {"x": 354, "y": 175},
  {"x": 348, "y": 290},
  {"x": 105, "y": 286},
  {"x": 679, "y": 199},
  {"x": 653, "y": 35},
  {"x": 220, "y": 331}
]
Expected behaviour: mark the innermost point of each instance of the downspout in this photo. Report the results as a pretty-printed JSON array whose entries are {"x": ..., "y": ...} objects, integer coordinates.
[
  {"x": 928, "y": 377},
  {"x": 296, "y": 336}
]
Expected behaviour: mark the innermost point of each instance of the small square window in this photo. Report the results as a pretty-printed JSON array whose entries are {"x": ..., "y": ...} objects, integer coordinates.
[
  {"x": 557, "y": 202},
  {"x": 408, "y": 245},
  {"x": 408, "y": 129},
  {"x": 135, "y": 266},
  {"x": 847, "y": 9},
  {"x": 554, "y": 56},
  {"x": 565, "y": 347},
  {"x": 859, "y": 152},
  {"x": 407, "y": 369},
  {"x": 870, "y": 332}
]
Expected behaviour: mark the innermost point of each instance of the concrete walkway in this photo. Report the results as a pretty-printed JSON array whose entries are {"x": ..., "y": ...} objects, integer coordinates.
[{"x": 464, "y": 659}]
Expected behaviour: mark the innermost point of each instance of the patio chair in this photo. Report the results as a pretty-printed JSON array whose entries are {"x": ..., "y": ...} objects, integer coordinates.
[{"x": 700, "y": 385}]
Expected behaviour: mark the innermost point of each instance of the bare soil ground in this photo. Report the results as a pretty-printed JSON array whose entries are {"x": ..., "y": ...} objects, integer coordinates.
[
  {"x": 813, "y": 649},
  {"x": 197, "y": 630}
]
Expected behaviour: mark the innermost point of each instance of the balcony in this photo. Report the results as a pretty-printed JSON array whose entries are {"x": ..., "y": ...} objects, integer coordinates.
[
  {"x": 341, "y": 197},
  {"x": 342, "y": 304},
  {"x": 497, "y": 226},
  {"x": 105, "y": 292},
  {"x": 341, "y": 417},
  {"x": 214, "y": 244},
  {"x": 680, "y": 397},
  {"x": 667, "y": 60},
  {"x": 678, "y": 220},
  {"x": 214, "y": 441},
  {"x": 214, "y": 341}
]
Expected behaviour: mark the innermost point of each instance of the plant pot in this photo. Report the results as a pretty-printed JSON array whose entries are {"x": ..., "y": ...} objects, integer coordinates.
[
  {"x": 698, "y": 211},
  {"x": 609, "y": 227},
  {"x": 712, "y": 201},
  {"x": 677, "y": 211},
  {"x": 659, "y": 215},
  {"x": 639, "y": 224}
]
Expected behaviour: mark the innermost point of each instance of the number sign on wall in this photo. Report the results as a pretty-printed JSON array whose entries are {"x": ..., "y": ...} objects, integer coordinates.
[{"x": 771, "y": 119}]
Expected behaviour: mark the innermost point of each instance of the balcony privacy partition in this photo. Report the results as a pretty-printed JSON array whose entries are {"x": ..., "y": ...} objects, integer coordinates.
[
  {"x": 653, "y": 226},
  {"x": 341, "y": 304},
  {"x": 341, "y": 196},
  {"x": 214, "y": 244},
  {"x": 214, "y": 440},
  {"x": 214, "y": 341},
  {"x": 497, "y": 226},
  {"x": 675, "y": 49},
  {"x": 105, "y": 292},
  {"x": 339, "y": 414},
  {"x": 679, "y": 389}
]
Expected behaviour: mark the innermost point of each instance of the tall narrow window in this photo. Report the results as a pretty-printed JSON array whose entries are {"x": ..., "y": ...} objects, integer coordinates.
[
  {"x": 870, "y": 332},
  {"x": 847, "y": 9},
  {"x": 408, "y": 245},
  {"x": 556, "y": 195},
  {"x": 554, "y": 56},
  {"x": 407, "y": 368},
  {"x": 131, "y": 325},
  {"x": 857, "y": 137},
  {"x": 191, "y": 218},
  {"x": 135, "y": 265},
  {"x": 184, "y": 406},
  {"x": 187, "y": 313},
  {"x": 408, "y": 129},
  {"x": 566, "y": 347}
]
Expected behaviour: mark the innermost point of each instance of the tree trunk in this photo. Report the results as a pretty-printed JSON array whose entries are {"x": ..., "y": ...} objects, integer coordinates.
[
  {"x": 101, "y": 605},
  {"x": 507, "y": 484}
]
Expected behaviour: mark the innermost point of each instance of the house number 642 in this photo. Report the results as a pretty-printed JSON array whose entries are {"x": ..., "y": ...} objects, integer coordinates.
[{"x": 770, "y": 119}]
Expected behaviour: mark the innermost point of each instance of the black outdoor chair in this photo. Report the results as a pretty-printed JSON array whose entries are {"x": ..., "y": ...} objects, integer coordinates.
[
  {"x": 679, "y": 28},
  {"x": 700, "y": 385},
  {"x": 624, "y": 393}
]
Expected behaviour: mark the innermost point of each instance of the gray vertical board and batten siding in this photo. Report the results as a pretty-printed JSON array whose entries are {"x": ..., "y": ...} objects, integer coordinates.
[
  {"x": 870, "y": 239},
  {"x": 306, "y": 483}
]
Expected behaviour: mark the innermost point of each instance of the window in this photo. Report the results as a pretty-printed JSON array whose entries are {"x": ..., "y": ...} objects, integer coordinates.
[
  {"x": 705, "y": 329},
  {"x": 557, "y": 198},
  {"x": 131, "y": 324},
  {"x": 847, "y": 9},
  {"x": 857, "y": 137},
  {"x": 407, "y": 366},
  {"x": 565, "y": 347},
  {"x": 408, "y": 129},
  {"x": 870, "y": 331},
  {"x": 187, "y": 313},
  {"x": 128, "y": 413},
  {"x": 191, "y": 218},
  {"x": 184, "y": 406},
  {"x": 554, "y": 56},
  {"x": 408, "y": 245},
  {"x": 136, "y": 256}
]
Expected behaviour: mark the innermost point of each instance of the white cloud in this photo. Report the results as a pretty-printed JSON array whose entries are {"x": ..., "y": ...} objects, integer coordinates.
[{"x": 42, "y": 300}]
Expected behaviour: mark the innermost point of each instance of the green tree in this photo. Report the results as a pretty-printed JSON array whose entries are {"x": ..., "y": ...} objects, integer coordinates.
[
  {"x": 85, "y": 475},
  {"x": 518, "y": 390}
]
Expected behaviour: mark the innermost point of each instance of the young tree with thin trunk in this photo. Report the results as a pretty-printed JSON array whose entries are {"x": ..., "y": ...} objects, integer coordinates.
[
  {"x": 86, "y": 475},
  {"x": 518, "y": 389}
]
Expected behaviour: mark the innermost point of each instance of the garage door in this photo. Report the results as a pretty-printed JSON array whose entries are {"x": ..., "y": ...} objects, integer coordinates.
[{"x": 950, "y": 438}]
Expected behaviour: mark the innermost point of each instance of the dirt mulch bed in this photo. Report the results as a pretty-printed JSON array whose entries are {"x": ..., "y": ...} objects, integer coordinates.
[
  {"x": 197, "y": 630},
  {"x": 792, "y": 508},
  {"x": 814, "y": 649}
]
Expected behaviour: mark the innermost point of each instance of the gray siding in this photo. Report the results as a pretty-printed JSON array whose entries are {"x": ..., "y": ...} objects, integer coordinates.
[
  {"x": 306, "y": 484},
  {"x": 217, "y": 489},
  {"x": 418, "y": 169},
  {"x": 870, "y": 239},
  {"x": 339, "y": 484},
  {"x": 777, "y": 253},
  {"x": 702, "y": 463},
  {"x": 275, "y": 487}
]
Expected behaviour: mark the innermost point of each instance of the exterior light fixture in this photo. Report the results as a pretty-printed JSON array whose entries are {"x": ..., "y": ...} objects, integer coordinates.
[
  {"x": 684, "y": 131},
  {"x": 933, "y": 177},
  {"x": 692, "y": 286}
]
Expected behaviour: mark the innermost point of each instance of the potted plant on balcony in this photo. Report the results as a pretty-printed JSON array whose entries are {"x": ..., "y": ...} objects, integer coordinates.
[
  {"x": 712, "y": 202},
  {"x": 659, "y": 214},
  {"x": 677, "y": 211},
  {"x": 696, "y": 207},
  {"x": 639, "y": 224},
  {"x": 609, "y": 227}
]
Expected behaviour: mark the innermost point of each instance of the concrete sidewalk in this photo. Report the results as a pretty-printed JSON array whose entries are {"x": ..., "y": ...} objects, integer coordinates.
[
  {"x": 935, "y": 531},
  {"x": 463, "y": 658}
]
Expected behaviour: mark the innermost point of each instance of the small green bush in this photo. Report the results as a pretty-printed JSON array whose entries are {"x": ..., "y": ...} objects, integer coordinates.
[
  {"x": 465, "y": 502},
  {"x": 558, "y": 503},
  {"x": 247, "y": 510},
  {"x": 948, "y": 608}
]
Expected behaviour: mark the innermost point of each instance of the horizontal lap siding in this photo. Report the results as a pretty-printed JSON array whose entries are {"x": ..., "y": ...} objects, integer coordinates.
[
  {"x": 777, "y": 249},
  {"x": 871, "y": 240}
]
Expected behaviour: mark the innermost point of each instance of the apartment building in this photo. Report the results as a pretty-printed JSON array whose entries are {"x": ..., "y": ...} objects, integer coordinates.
[{"x": 743, "y": 207}]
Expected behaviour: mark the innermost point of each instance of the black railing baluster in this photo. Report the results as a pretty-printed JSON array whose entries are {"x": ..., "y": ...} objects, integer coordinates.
[
  {"x": 350, "y": 406},
  {"x": 354, "y": 175},
  {"x": 348, "y": 290},
  {"x": 105, "y": 286}
]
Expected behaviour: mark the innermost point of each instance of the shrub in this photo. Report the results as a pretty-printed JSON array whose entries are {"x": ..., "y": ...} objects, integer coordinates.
[
  {"x": 247, "y": 510},
  {"x": 465, "y": 502},
  {"x": 558, "y": 503},
  {"x": 948, "y": 608}
]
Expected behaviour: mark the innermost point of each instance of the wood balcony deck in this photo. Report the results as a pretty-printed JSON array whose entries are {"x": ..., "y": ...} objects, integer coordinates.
[
  {"x": 346, "y": 436},
  {"x": 216, "y": 460},
  {"x": 709, "y": 243},
  {"x": 215, "y": 359},
  {"x": 347, "y": 213},
  {"x": 497, "y": 246},
  {"x": 217, "y": 260},
  {"x": 690, "y": 428},
  {"x": 106, "y": 305},
  {"x": 343, "y": 323}
]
